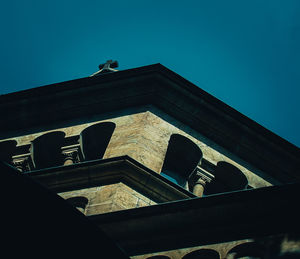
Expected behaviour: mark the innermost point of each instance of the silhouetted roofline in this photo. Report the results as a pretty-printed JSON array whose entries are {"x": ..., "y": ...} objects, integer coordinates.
[
  {"x": 159, "y": 68},
  {"x": 155, "y": 85}
]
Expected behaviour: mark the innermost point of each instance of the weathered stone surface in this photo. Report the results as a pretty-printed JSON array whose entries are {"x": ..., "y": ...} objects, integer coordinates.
[
  {"x": 125, "y": 199},
  {"x": 99, "y": 208},
  {"x": 109, "y": 198},
  {"x": 144, "y": 136},
  {"x": 142, "y": 203}
]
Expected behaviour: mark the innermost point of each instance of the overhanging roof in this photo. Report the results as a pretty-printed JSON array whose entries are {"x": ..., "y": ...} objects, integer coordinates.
[
  {"x": 155, "y": 85},
  {"x": 208, "y": 220}
]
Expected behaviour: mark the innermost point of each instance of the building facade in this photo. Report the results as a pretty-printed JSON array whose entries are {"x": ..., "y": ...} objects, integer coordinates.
[{"x": 162, "y": 167}]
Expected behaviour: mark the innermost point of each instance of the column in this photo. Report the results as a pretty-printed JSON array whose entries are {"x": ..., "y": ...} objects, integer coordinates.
[
  {"x": 203, "y": 177},
  {"x": 199, "y": 187}
]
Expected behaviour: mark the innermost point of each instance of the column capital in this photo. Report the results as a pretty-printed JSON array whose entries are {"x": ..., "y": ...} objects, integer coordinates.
[
  {"x": 71, "y": 154},
  {"x": 200, "y": 179},
  {"x": 203, "y": 177},
  {"x": 23, "y": 163}
]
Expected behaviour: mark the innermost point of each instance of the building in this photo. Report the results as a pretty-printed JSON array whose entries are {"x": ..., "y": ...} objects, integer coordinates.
[{"x": 159, "y": 166}]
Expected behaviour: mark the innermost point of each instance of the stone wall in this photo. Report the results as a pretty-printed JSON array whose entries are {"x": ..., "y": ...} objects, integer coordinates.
[
  {"x": 144, "y": 133},
  {"x": 108, "y": 198}
]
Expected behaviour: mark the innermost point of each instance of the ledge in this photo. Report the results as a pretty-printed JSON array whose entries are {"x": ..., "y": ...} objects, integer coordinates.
[
  {"x": 105, "y": 171},
  {"x": 201, "y": 221}
]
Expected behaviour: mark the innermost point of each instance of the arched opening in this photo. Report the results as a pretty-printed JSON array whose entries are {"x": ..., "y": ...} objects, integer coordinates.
[
  {"x": 249, "y": 250},
  {"x": 7, "y": 150},
  {"x": 228, "y": 178},
  {"x": 45, "y": 150},
  {"x": 202, "y": 254},
  {"x": 79, "y": 202},
  {"x": 181, "y": 159},
  {"x": 158, "y": 257},
  {"x": 94, "y": 140}
]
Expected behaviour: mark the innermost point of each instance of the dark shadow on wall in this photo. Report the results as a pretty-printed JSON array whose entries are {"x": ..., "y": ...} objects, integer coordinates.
[{"x": 38, "y": 223}]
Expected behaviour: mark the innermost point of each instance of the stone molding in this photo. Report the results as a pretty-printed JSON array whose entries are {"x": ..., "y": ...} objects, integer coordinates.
[
  {"x": 203, "y": 176},
  {"x": 23, "y": 162},
  {"x": 72, "y": 154}
]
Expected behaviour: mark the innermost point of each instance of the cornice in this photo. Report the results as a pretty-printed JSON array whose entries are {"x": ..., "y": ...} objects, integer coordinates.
[
  {"x": 111, "y": 170},
  {"x": 214, "y": 219},
  {"x": 158, "y": 86}
]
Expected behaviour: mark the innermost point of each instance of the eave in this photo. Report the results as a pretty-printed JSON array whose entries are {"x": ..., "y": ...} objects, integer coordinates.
[
  {"x": 264, "y": 212},
  {"x": 156, "y": 85}
]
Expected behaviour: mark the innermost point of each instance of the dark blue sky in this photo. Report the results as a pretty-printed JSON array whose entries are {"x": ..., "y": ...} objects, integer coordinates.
[{"x": 246, "y": 53}]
